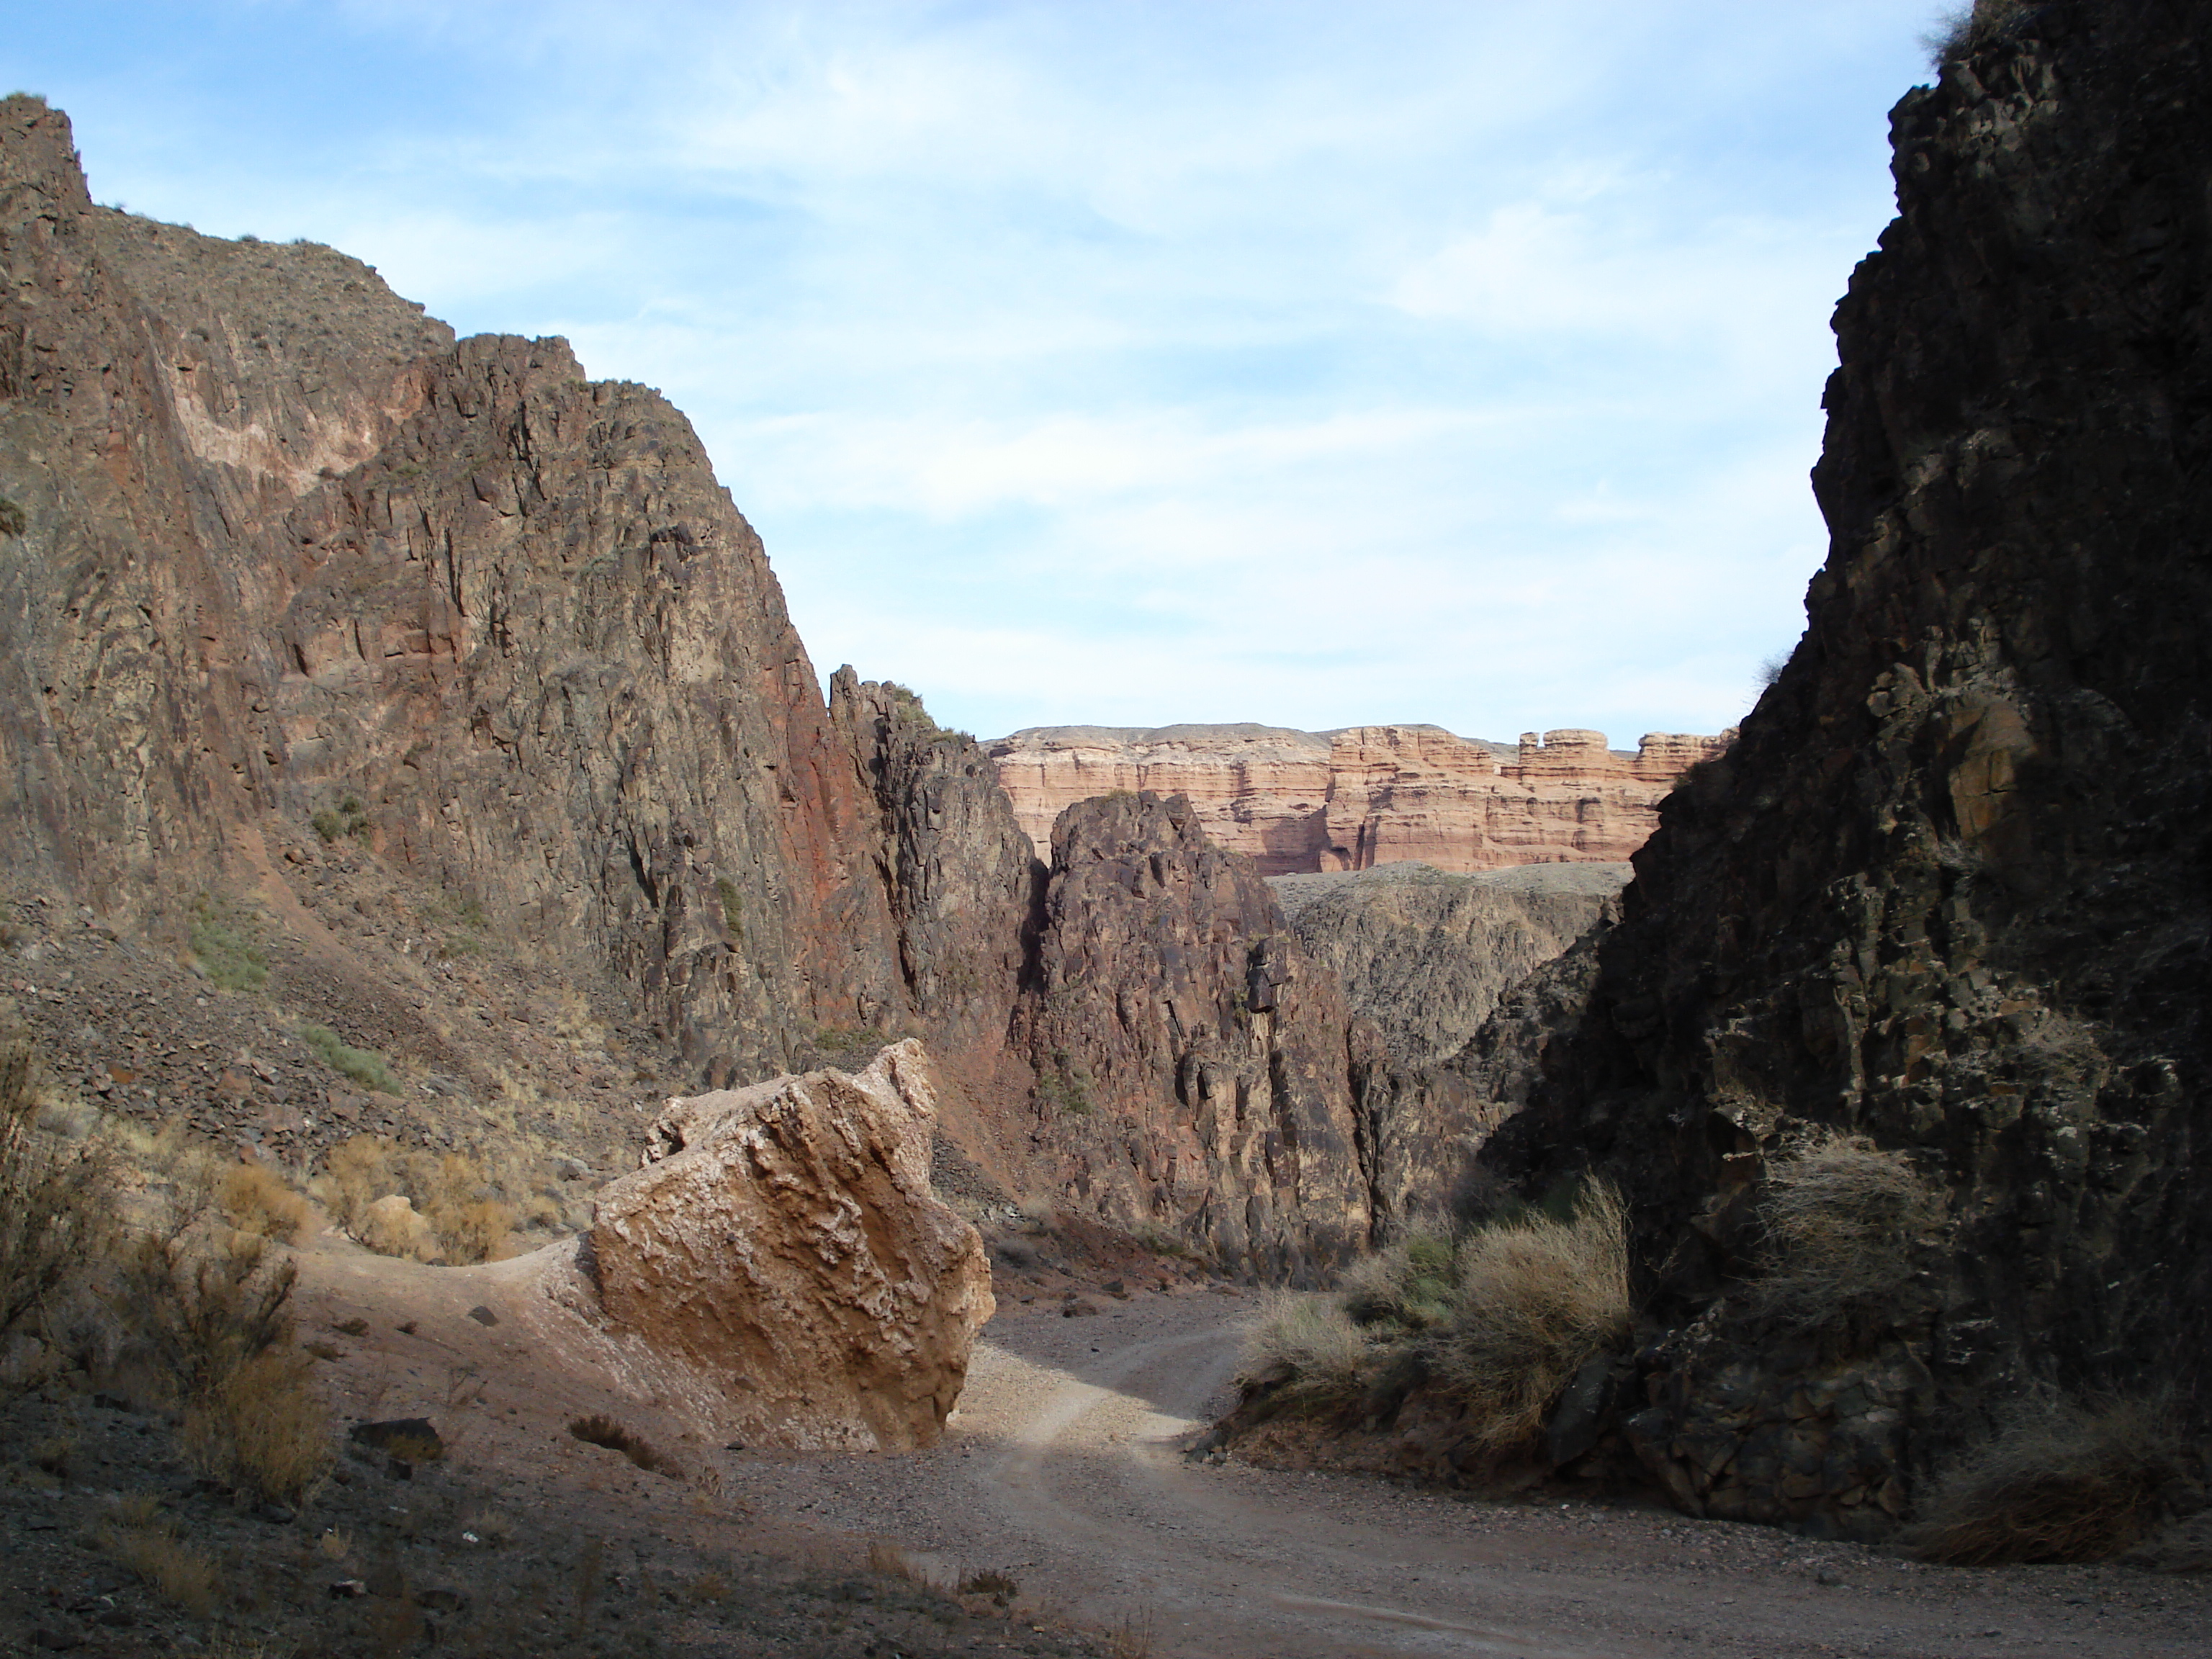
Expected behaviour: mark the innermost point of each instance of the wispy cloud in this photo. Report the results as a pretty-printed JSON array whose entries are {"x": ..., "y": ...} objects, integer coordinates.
[{"x": 1120, "y": 359}]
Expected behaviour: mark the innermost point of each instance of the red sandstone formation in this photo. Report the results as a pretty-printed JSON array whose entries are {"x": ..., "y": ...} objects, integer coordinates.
[{"x": 1300, "y": 801}]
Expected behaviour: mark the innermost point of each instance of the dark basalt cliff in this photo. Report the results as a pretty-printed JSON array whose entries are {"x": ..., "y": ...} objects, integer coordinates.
[
  {"x": 1193, "y": 1063},
  {"x": 1949, "y": 890}
]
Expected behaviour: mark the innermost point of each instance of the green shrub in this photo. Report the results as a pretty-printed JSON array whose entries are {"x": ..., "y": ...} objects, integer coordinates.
[
  {"x": 225, "y": 940},
  {"x": 364, "y": 1066},
  {"x": 733, "y": 905},
  {"x": 349, "y": 817},
  {"x": 2057, "y": 1482}
]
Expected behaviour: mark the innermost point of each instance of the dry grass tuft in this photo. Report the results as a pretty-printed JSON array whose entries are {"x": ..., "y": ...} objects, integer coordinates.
[
  {"x": 1841, "y": 1218},
  {"x": 889, "y": 1561},
  {"x": 1536, "y": 1298},
  {"x": 173, "y": 1569},
  {"x": 599, "y": 1430},
  {"x": 257, "y": 1200},
  {"x": 1412, "y": 1284},
  {"x": 261, "y": 1430},
  {"x": 2058, "y": 1482},
  {"x": 1308, "y": 1346}
]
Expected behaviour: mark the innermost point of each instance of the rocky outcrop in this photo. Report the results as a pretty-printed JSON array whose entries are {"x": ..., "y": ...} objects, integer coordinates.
[
  {"x": 1425, "y": 956},
  {"x": 1951, "y": 891},
  {"x": 1191, "y": 1062},
  {"x": 288, "y": 546},
  {"x": 1299, "y": 801},
  {"x": 783, "y": 1240}
]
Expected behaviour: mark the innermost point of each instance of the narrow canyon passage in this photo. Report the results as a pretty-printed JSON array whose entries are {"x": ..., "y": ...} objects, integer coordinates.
[{"x": 1063, "y": 1468}]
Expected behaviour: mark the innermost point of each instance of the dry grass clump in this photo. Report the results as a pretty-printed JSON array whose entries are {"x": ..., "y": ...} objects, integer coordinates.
[
  {"x": 56, "y": 1213},
  {"x": 1308, "y": 1347},
  {"x": 453, "y": 1212},
  {"x": 2058, "y": 1482},
  {"x": 261, "y": 1430},
  {"x": 258, "y": 1201},
  {"x": 599, "y": 1430},
  {"x": 1414, "y": 1284},
  {"x": 1841, "y": 1218},
  {"x": 136, "y": 1535},
  {"x": 1536, "y": 1298}
]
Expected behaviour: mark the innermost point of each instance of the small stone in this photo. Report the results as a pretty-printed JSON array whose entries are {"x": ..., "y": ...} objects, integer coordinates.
[{"x": 483, "y": 1315}]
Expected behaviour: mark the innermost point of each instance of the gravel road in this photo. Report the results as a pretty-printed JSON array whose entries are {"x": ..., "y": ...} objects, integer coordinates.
[{"x": 1063, "y": 1468}]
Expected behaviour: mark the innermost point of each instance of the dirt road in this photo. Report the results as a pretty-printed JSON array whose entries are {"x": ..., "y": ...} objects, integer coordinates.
[{"x": 1064, "y": 1468}]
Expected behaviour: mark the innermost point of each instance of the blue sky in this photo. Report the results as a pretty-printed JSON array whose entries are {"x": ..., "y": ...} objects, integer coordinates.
[{"x": 1125, "y": 362}]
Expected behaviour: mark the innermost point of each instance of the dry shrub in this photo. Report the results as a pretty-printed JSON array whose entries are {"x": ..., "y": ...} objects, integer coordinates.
[
  {"x": 261, "y": 1430},
  {"x": 173, "y": 1569},
  {"x": 211, "y": 1312},
  {"x": 1307, "y": 1344},
  {"x": 453, "y": 1210},
  {"x": 599, "y": 1430},
  {"x": 2058, "y": 1482},
  {"x": 357, "y": 1172},
  {"x": 56, "y": 1214},
  {"x": 256, "y": 1200},
  {"x": 1841, "y": 1217},
  {"x": 1536, "y": 1299},
  {"x": 391, "y": 1227},
  {"x": 1412, "y": 1284}
]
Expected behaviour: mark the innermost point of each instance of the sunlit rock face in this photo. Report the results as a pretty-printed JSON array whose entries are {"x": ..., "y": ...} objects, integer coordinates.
[
  {"x": 1302, "y": 801},
  {"x": 783, "y": 1241}
]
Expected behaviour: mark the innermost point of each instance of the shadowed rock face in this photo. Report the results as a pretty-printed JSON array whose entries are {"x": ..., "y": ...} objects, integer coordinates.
[
  {"x": 1192, "y": 1060},
  {"x": 1950, "y": 888},
  {"x": 1426, "y": 956},
  {"x": 783, "y": 1240}
]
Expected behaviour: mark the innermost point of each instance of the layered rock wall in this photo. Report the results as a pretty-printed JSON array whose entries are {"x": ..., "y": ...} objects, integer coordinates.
[
  {"x": 1302, "y": 801},
  {"x": 1952, "y": 890}
]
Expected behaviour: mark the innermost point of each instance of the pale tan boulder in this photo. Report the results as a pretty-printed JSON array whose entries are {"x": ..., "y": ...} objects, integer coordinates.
[{"x": 782, "y": 1241}]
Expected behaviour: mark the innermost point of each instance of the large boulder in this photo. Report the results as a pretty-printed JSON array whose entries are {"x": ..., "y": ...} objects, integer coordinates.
[{"x": 782, "y": 1239}]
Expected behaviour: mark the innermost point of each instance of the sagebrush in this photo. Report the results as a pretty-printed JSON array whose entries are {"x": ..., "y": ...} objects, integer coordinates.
[{"x": 2058, "y": 1481}]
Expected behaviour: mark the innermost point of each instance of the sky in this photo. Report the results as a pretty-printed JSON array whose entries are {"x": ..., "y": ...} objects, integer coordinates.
[{"x": 1115, "y": 362}]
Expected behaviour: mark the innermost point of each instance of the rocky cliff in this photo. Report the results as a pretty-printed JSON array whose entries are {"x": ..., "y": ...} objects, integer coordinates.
[
  {"x": 1425, "y": 956},
  {"x": 1302, "y": 801},
  {"x": 430, "y": 692},
  {"x": 290, "y": 554},
  {"x": 1950, "y": 891}
]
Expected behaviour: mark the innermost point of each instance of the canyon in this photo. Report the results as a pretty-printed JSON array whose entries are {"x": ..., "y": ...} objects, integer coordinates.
[
  {"x": 371, "y": 695},
  {"x": 1295, "y": 802}
]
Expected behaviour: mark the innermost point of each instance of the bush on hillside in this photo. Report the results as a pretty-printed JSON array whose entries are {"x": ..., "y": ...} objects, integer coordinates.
[{"x": 2059, "y": 1481}]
